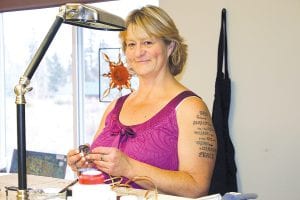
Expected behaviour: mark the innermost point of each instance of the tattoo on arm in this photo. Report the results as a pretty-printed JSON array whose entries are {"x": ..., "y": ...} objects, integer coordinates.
[{"x": 203, "y": 127}]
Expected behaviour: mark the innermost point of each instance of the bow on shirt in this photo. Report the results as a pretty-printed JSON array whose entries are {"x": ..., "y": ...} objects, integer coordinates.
[{"x": 124, "y": 133}]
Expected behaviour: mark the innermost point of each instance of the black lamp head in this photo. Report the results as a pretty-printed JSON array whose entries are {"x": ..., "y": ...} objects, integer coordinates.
[{"x": 90, "y": 17}]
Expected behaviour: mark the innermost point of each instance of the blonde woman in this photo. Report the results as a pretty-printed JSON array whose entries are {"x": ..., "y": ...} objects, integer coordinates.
[{"x": 162, "y": 130}]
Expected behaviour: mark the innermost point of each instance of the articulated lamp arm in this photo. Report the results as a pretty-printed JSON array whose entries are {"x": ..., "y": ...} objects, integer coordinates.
[{"x": 74, "y": 14}]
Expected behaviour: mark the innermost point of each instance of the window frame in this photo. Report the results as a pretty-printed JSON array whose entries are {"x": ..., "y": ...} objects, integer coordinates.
[{"x": 2, "y": 98}]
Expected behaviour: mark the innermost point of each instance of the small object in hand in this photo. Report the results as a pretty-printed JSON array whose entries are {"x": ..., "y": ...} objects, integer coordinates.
[{"x": 84, "y": 149}]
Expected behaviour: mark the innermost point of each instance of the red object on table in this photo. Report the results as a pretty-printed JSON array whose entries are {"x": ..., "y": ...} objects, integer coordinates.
[{"x": 91, "y": 177}]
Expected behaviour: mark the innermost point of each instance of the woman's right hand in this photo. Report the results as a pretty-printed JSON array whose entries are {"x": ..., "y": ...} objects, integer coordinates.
[{"x": 76, "y": 160}]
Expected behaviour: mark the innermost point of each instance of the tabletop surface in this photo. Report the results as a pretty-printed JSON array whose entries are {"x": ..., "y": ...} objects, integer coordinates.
[{"x": 42, "y": 182}]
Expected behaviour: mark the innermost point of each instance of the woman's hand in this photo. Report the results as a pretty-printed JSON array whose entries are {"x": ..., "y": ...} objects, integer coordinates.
[
  {"x": 110, "y": 160},
  {"x": 76, "y": 160}
]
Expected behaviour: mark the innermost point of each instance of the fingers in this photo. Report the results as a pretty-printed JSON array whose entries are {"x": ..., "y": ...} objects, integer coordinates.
[
  {"x": 72, "y": 152},
  {"x": 105, "y": 159},
  {"x": 109, "y": 160},
  {"x": 103, "y": 165},
  {"x": 72, "y": 157},
  {"x": 102, "y": 158},
  {"x": 104, "y": 150},
  {"x": 76, "y": 160},
  {"x": 103, "y": 154},
  {"x": 96, "y": 157}
]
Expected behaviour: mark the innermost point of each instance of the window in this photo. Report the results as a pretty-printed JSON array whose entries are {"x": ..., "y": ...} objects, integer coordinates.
[
  {"x": 63, "y": 109},
  {"x": 49, "y": 104}
]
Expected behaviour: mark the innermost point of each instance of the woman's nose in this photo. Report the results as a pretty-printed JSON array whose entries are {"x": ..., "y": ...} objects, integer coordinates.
[{"x": 139, "y": 50}]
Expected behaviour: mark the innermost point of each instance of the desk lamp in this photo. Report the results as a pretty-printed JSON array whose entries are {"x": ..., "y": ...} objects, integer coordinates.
[{"x": 74, "y": 14}]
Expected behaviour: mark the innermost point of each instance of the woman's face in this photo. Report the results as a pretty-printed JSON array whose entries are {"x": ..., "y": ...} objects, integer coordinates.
[{"x": 146, "y": 55}]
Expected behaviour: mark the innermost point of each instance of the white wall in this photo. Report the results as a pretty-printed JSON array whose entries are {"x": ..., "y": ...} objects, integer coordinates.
[{"x": 264, "y": 64}]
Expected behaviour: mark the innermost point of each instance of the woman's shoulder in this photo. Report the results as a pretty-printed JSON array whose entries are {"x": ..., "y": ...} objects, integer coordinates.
[
  {"x": 116, "y": 102},
  {"x": 191, "y": 103}
]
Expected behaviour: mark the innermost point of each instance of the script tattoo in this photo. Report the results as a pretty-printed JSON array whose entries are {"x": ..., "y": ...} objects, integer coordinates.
[{"x": 204, "y": 129}]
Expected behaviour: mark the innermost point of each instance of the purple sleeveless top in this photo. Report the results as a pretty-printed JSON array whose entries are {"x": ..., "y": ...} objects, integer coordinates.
[{"x": 153, "y": 142}]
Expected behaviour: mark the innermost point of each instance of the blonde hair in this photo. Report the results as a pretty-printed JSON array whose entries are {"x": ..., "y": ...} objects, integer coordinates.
[{"x": 156, "y": 22}]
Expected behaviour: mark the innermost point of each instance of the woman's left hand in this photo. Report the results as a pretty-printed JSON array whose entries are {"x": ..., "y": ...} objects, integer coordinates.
[{"x": 110, "y": 160}]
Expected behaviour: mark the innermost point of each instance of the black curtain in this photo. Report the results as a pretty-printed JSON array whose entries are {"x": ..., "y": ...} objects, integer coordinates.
[{"x": 224, "y": 176}]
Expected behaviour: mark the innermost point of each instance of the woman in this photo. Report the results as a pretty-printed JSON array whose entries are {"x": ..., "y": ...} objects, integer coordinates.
[{"x": 162, "y": 130}]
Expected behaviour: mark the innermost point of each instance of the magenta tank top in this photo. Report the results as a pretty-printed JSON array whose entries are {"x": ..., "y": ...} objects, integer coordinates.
[{"x": 154, "y": 141}]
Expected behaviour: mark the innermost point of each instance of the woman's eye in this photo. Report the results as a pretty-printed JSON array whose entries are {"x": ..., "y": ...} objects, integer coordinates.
[
  {"x": 130, "y": 45},
  {"x": 148, "y": 43}
]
